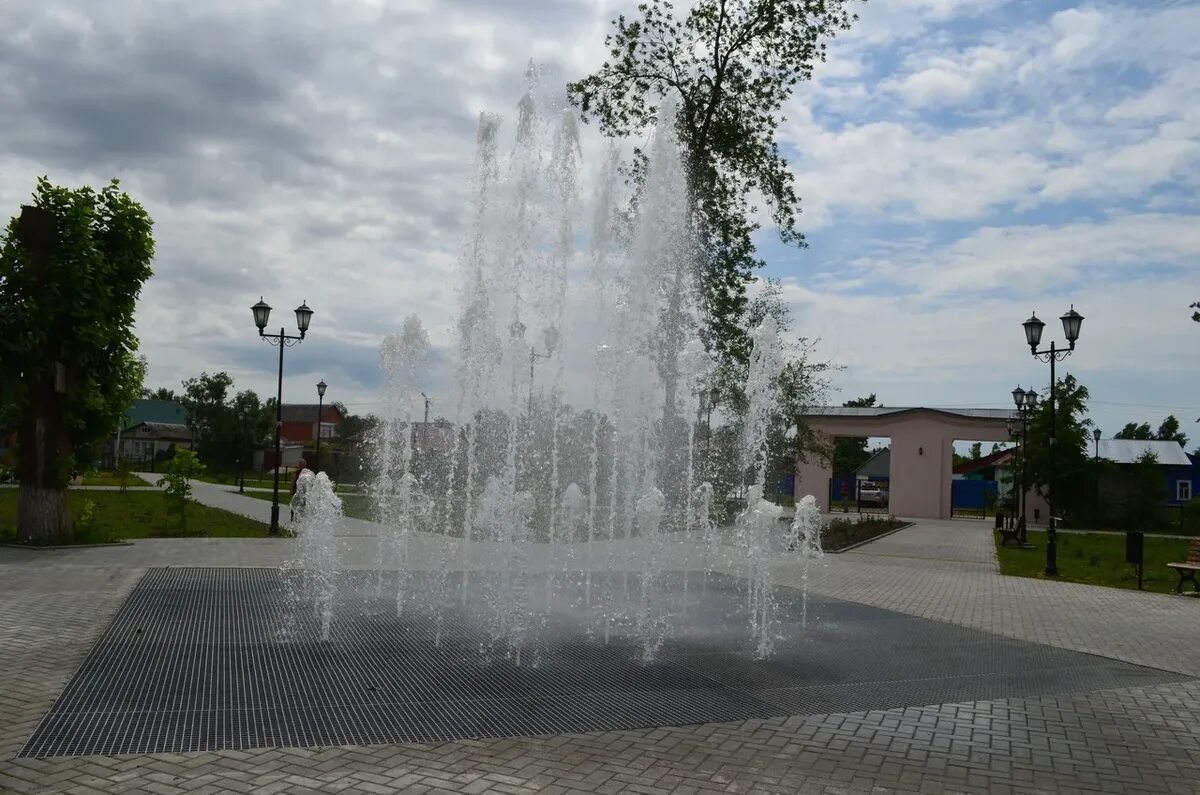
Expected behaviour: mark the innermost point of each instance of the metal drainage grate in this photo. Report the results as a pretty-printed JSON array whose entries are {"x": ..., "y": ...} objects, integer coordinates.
[{"x": 209, "y": 659}]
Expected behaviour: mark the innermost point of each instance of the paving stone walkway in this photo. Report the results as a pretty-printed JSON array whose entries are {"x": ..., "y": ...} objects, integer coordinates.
[{"x": 54, "y": 604}]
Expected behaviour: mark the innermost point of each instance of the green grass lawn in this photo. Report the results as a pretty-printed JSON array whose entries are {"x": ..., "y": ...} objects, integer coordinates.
[
  {"x": 107, "y": 477},
  {"x": 356, "y": 506},
  {"x": 120, "y": 516},
  {"x": 1097, "y": 559}
]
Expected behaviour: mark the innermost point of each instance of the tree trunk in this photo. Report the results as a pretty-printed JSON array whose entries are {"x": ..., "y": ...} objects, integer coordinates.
[
  {"x": 43, "y": 437},
  {"x": 42, "y": 516},
  {"x": 42, "y": 513}
]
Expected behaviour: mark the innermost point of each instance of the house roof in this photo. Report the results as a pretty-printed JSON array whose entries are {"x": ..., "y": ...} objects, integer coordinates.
[
  {"x": 1128, "y": 451},
  {"x": 882, "y": 452},
  {"x": 166, "y": 430},
  {"x": 990, "y": 460},
  {"x": 165, "y": 411},
  {"x": 306, "y": 412},
  {"x": 880, "y": 411}
]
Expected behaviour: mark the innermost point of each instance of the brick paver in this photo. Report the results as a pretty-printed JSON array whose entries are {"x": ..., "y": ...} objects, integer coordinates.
[{"x": 54, "y": 604}]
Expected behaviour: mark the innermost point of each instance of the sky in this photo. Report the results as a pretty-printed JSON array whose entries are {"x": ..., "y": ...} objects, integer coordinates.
[{"x": 961, "y": 163}]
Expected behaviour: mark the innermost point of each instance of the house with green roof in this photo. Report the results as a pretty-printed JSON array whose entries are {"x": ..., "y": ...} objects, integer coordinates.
[{"x": 152, "y": 428}]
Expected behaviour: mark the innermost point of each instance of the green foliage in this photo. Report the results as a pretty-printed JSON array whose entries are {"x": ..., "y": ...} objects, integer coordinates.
[
  {"x": 842, "y": 533},
  {"x": 1168, "y": 431},
  {"x": 162, "y": 393},
  {"x": 1147, "y": 491},
  {"x": 1097, "y": 559},
  {"x": 1134, "y": 431},
  {"x": 86, "y": 517},
  {"x": 183, "y": 467},
  {"x": 1073, "y": 471},
  {"x": 225, "y": 427},
  {"x": 728, "y": 66},
  {"x": 136, "y": 514},
  {"x": 81, "y": 314}
]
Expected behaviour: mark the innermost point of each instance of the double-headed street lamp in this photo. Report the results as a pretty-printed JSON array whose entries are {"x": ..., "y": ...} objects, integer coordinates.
[
  {"x": 1071, "y": 322},
  {"x": 321, "y": 387},
  {"x": 549, "y": 339},
  {"x": 262, "y": 314},
  {"x": 1025, "y": 401}
]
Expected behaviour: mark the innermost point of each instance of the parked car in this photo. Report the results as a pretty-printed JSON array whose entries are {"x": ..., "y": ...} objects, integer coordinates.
[{"x": 872, "y": 494}]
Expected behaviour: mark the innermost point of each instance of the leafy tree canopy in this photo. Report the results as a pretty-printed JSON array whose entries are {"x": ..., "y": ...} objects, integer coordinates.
[
  {"x": 79, "y": 314},
  {"x": 71, "y": 268},
  {"x": 727, "y": 66},
  {"x": 1073, "y": 477},
  {"x": 162, "y": 393},
  {"x": 1167, "y": 431}
]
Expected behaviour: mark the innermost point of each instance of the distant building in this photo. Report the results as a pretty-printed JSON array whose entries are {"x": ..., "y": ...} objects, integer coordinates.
[
  {"x": 1179, "y": 470},
  {"x": 150, "y": 428},
  {"x": 300, "y": 422},
  {"x": 877, "y": 468},
  {"x": 146, "y": 441}
]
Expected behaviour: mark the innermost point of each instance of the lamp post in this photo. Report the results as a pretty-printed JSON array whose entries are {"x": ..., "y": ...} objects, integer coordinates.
[
  {"x": 1071, "y": 323},
  {"x": 262, "y": 314},
  {"x": 1025, "y": 401},
  {"x": 550, "y": 339},
  {"x": 1096, "y": 466},
  {"x": 321, "y": 386},
  {"x": 425, "y": 426},
  {"x": 243, "y": 443}
]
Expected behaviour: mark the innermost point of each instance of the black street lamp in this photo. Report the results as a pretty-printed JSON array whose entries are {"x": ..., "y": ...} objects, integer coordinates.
[
  {"x": 1096, "y": 466},
  {"x": 243, "y": 443},
  {"x": 321, "y": 387},
  {"x": 1071, "y": 323},
  {"x": 262, "y": 313},
  {"x": 550, "y": 339},
  {"x": 1026, "y": 401}
]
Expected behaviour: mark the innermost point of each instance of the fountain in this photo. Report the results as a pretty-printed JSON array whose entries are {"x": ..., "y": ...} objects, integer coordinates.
[{"x": 569, "y": 481}]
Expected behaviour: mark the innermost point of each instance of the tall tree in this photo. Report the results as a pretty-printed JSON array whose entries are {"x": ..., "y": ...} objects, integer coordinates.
[
  {"x": 1168, "y": 431},
  {"x": 71, "y": 268},
  {"x": 204, "y": 400},
  {"x": 1073, "y": 477},
  {"x": 1134, "y": 431},
  {"x": 727, "y": 66},
  {"x": 162, "y": 393}
]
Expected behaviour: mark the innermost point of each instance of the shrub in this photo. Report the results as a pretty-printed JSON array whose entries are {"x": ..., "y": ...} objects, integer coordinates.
[{"x": 181, "y": 469}]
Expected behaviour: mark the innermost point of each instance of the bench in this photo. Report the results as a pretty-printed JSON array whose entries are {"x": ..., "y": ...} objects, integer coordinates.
[
  {"x": 1187, "y": 571},
  {"x": 1014, "y": 532}
]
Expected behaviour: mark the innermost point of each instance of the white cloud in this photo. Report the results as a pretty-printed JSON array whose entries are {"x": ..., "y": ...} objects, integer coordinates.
[{"x": 324, "y": 151}]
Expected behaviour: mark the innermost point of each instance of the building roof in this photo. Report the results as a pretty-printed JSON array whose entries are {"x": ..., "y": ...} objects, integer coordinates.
[
  {"x": 1128, "y": 451},
  {"x": 306, "y": 412},
  {"x": 876, "y": 458},
  {"x": 990, "y": 460},
  {"x": 880, "y": 411},
  {"x": 169, "y": 431},
  {"x": 166, "y": 411}
]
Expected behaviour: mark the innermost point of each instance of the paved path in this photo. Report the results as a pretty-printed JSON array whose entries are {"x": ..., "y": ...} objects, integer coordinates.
[{"x": 54, "y": 604}]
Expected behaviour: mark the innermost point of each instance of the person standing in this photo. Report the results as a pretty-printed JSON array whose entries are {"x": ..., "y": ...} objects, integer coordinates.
[{"x": 301, "y": 468}]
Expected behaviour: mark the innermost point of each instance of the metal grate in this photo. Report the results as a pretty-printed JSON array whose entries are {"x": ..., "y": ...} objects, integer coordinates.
[{"x": 208, "y": 659}]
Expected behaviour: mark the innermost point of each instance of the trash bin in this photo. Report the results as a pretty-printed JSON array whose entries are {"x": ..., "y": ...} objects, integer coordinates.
[
  {"x": 999, "y": 520},
  {"x": 1134, "y": 543}
]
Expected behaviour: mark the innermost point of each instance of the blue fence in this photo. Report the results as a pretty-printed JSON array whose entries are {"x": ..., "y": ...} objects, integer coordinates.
[{"x": 972, "y": 495}]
